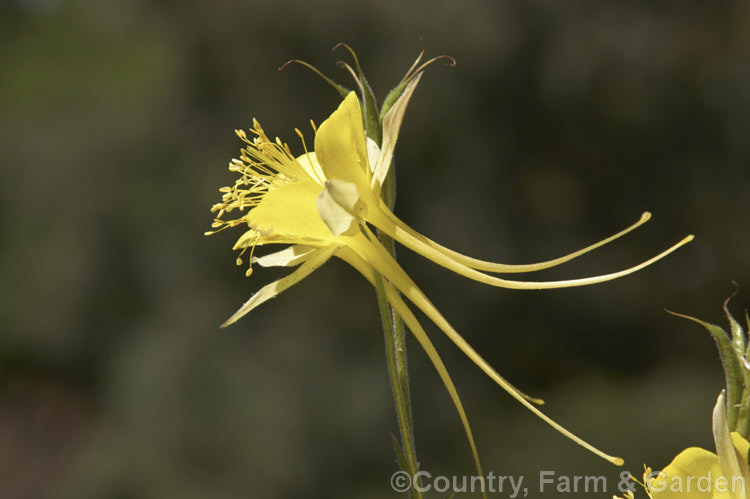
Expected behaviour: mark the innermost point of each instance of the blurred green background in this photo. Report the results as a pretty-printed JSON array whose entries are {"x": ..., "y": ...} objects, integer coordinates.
[{"x": 559, "y": 125}]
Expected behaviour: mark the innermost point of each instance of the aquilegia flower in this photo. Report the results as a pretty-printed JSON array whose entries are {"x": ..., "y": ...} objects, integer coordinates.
[
  {"x": 700, "y": 474},
  {"x": 325, "y": 203}
]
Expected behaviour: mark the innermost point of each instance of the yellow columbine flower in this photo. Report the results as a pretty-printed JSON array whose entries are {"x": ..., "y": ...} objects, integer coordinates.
[
  {"x": 699, "y": 474},
  {"x": 322, "y": 204}
]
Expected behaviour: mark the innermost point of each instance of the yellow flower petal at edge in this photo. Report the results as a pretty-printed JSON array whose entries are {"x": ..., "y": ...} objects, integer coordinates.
[
  {"x": 699, "y": 474},
  {"x": 322, "y": 202}
]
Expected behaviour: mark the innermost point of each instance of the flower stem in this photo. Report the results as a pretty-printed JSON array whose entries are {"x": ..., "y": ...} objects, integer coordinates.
[
  {"x": 395, "y": 347},
  {"x": 397, "y": 371}
]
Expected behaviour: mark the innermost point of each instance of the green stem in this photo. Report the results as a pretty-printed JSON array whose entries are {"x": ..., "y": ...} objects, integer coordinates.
[
  {"x": 399, "y": 334},
  {"x": 393, "y": 326},
  {"x": 403, "y": 371},
  {"x": 395, "y": 343},
  {"x": 396, "y": 360}
]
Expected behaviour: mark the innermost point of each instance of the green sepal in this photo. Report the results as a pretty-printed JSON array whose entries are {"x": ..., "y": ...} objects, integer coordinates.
[
  {"x": 736, "y": 375},
  {"x": 739, "y": 342},
  {"x": 396, "y": 92},
  {"x": 370, "y": 116},
  {"x": 342, "y": 90},
  {"x": 373, "y": 122},
  {"x": 392, "y": 97},
  {"x": 414, "y": 70},
  {"x": 373, "y": 125}
]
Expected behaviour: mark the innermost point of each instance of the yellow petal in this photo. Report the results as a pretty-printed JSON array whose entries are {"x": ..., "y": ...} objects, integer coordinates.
[
  {"x": 742, "y": 446},
  {"x": 381, "y": 261},
  {"x": 416, "y": 329},
  {"x": 380, "y": 220},
  {"x": 340, "y": 206},
  {"x": 288, "y": 257},
  {"x": 743, "y": 455},
  {"x": 373, "y": 152},
  {"x": 494, "y": 267},
  {"x": 691, "y": 475},
  {"x": 340, "y": 145},
  {"x": 413, "y": 324},
  {"x": 729, "y": 459},
  {"x": 290, "y": 210},
  {"x": 247, "y": 239},
  {"x": 275, "y": 288},
  {"x": 254, "y": 238},
  {"x": 309, "y": 163}
]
